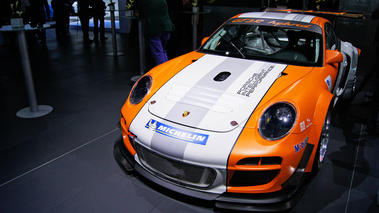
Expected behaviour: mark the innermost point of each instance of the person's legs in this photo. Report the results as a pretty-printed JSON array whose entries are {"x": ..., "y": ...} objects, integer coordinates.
[
  {"x": 96, "y": 28},
  {"x": 102, "y": 29},
  {"x": 157, "y": 45},
  {"x": 58, "y": 27},
  {"x": 84, "y": 22},
  {"x": 165, "y": 36},
  {"x": 66, "y": 25}
]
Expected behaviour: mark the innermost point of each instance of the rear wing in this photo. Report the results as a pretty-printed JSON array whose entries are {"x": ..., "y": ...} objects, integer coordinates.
[{"x": 319, "y": 13}]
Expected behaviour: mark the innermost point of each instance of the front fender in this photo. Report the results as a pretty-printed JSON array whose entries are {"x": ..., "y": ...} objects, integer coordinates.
[
  {"x": 324, "y": 101},
  {"x": 322, "y": 107}
]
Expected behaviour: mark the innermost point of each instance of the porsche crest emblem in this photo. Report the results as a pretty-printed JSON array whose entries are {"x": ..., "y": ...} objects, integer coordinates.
[{"x": 185, "y": 114}]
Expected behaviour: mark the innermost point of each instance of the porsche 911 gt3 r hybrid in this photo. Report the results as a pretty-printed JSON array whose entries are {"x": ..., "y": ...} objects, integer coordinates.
[{"x": 242, "y": 120}]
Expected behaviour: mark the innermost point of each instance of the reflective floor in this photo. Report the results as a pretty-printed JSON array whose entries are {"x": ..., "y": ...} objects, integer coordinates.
[{"x": 63, "y": 161}]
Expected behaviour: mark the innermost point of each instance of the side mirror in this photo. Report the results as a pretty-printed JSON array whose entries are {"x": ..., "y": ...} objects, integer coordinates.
[
  {"x": 333, "y": 56},
  {"x": 204, "y": 40}
]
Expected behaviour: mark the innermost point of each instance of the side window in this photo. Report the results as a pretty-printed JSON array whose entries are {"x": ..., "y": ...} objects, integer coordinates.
[{"x": 330, "y": 37}]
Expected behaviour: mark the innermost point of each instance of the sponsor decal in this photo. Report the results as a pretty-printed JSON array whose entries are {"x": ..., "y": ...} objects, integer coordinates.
[
  {"x": 301, "y": 145},
  {"x": 176, "y": 133},
  {"x": 271, "y": 22},
  {"x": 253, "y": 82},
  {"x": 303, "y": 126},
  {"x": 248, "y": 20},
  {"x": 328, "y": 81},
  {"x": 277, "y": 23},
  {"x": 309, "y": 123},
  {"x": 289, "y": 24}
]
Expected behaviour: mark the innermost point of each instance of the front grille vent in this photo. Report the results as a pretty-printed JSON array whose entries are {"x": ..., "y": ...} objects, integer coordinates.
[
  {"x": 266, "y": 169},
  {"x": 174, "y": 170},
  {"x": 252, "y": 178},
  {"x": 256, "y": 161}
]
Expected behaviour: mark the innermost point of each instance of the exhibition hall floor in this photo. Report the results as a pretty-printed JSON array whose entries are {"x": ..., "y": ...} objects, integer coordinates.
[{"x": 63, "y": 161}]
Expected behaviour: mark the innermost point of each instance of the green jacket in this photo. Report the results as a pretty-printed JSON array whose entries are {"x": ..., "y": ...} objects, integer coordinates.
[{"x": 155, "y": 13}]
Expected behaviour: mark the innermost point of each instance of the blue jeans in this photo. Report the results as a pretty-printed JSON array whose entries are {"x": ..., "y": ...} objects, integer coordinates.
[{"x": 158, "y": 44}]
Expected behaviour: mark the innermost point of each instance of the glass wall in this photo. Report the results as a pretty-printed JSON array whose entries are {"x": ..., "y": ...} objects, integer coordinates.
[{"x": 74, "y": 19}]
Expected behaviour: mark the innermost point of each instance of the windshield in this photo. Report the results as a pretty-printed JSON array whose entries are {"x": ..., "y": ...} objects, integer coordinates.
[{"x": 292, "y": 45}]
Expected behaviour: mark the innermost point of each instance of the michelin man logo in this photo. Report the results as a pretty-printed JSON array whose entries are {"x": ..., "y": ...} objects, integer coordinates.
[{"x": 151, "y": 125}]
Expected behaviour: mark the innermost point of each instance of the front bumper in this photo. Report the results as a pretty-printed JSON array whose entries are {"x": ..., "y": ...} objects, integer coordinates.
[{"x": 276, "y": 201}]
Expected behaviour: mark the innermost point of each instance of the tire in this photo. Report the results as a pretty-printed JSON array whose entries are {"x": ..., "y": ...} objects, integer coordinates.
[{"x": 323, "y": 142}]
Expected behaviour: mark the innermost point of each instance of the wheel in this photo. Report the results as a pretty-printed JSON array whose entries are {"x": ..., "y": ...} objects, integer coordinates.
[{"x": 323, "y": 142}]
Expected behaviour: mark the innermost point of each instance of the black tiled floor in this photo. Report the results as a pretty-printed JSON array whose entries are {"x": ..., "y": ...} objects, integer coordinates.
[{"x": 63, "y": 162}]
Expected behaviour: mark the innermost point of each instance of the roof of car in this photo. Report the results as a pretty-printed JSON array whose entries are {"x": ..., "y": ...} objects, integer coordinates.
[
  {"x": 279, "y": 19},
  {"x": 279, "y": 16}
]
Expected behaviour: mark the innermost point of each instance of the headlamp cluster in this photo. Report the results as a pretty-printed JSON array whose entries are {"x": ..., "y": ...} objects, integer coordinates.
[
  {"x": 277, "y": 121},
  {"x": 140, "y": 90}
]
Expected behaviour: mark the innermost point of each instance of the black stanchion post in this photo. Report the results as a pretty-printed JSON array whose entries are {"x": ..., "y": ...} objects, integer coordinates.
[
  {"x": 113, "y": 25},
  {"x": 34, "y": 110},
  {"x": 141, "y": 42},
  {"x": 195, "y": 18}
]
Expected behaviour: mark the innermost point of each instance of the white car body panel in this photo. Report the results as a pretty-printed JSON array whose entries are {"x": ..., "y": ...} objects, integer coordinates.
[
  {"x": 218, "y": 103},
  {"x": 206, "y": 136}
]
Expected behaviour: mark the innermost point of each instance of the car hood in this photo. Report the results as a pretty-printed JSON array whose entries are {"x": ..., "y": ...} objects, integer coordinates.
[{"x": 215, "y": 93}]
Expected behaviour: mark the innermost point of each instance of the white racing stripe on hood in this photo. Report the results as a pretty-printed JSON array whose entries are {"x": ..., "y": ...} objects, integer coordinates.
[
  {"x": 188, "y": 77},
  {"x": 195, "y": 90},
  {"x": 213, "y": 105}
]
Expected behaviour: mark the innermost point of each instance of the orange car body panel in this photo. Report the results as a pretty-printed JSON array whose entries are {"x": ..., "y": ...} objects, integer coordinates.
[
  {"x": 303, "y": 87},
  {"x": 160, "y": 74}
]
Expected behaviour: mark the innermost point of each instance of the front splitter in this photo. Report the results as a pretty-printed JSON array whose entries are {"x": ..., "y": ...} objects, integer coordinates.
[{"x": 267, "y": 202}]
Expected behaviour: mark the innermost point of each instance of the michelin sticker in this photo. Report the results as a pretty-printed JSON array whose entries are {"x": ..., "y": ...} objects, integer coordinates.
[{"x": 176, "y": 133}]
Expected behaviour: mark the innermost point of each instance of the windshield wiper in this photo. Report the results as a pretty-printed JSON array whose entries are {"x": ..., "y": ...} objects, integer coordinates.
[{"x": 233, "y": 45}]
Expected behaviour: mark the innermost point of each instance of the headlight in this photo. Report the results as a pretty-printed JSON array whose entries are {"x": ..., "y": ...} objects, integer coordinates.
[
  {"x": 277, "y": 121},
  {"x": 140, "y": 90}
]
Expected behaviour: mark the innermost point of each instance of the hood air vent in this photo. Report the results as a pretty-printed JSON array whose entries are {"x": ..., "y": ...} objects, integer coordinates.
[{"x": 222, "y": 76}]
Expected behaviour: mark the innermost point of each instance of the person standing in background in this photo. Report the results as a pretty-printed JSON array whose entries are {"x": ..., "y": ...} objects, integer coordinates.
[
  {"x": 38, "y": 13},
  {"x": 98, "y": 16},
  {"x": 39, "y": 10},
  {"x": 5, "y": 12},
  {"x": 158, "y": 26},
  {"x": 61, "y": 10},
  {"x": 84, "y": 16}
]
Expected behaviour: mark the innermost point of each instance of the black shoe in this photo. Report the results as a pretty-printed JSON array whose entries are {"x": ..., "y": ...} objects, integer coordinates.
[{"x": 103, "y": 38}]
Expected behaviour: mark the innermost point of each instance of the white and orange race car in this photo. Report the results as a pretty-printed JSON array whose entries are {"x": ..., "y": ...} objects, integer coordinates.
[{"x": 243, "y": 120}]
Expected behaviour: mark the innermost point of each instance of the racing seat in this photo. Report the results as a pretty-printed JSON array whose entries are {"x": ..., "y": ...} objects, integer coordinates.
[{"x": 258, "y": 44}]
